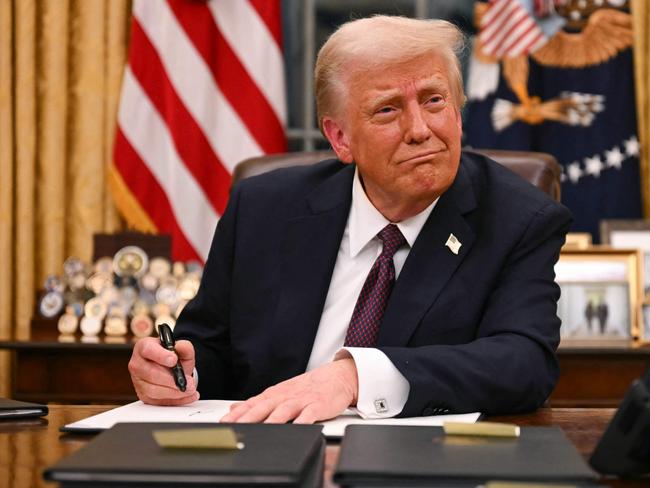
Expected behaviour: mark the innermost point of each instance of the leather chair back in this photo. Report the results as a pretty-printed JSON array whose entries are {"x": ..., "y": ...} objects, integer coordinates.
[{"x": 540, "y": 169}]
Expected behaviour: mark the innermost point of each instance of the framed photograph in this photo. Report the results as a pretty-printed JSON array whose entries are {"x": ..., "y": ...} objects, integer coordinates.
[
  {"x": 577, "y": 240},
  {"x": 630, "y": 234},
  {"x": 601, "y": 295},
  {"x": 644, "y": 336}
]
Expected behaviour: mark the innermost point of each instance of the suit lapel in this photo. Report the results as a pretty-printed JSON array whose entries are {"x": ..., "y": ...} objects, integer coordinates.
[
  {"x": 308, "y": 256},
  {"x": 430, "y": 264}
]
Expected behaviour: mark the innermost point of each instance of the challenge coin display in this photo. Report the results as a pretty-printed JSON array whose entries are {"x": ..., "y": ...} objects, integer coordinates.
[
  {"x": 141, "y": 325},
  {"x": 54, "y": 283},
  {"x": 130, "y": 261},
  {"x": 68, "y": 324},
  {"x": 73, "y": 266},
  {"x": 51, "y": 304},
  {"x": 160, "y": 267},
  {"x": 96, "y": 308},
  {"x": 115, "y": 294},
  {"x": 90, "y": 326},
  {"x": 115, "y": 325},
  {"x": 104, "y": 266}
]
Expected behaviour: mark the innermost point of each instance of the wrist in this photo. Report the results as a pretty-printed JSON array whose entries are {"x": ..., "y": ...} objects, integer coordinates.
[{"x": 350, "y": 378}]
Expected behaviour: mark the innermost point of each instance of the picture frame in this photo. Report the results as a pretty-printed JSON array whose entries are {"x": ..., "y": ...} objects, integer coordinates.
[
  {"x": 577, "y": 240},
  {"x": 601, "y": 296},
  {"x": 629, "y": 234},
  {"x": 644, "y": 332}
]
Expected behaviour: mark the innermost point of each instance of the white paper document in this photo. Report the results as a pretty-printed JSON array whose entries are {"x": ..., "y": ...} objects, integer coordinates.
[{"x": 212, "y": 410}]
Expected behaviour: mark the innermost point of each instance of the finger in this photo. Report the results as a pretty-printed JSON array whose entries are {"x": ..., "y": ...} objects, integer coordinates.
[
  {"x": 161, "y": 392},
  {"x": 309, "y": 415},
  {"x": 150, "y": 349},
  {"x": 185, "y": 351},
  {"x": 171, "y": 401},
  {"x": 151, "y": 373},
  {"x": 236, "y": 411},
  {"x": 259, "y": 412},
  {"x": 235, "y": 405},
  {"x": 285, "y": 412}
]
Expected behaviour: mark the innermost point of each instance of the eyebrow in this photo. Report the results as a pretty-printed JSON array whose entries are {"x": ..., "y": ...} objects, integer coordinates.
[{"x": 425, "y": 85}]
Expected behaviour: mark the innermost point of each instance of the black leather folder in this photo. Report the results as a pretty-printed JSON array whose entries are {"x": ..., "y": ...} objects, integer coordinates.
[
  {"x": 13, "y": 409},
  {"x": 624, "y": 448},
  {"x": 383, "y": 456},
  {"x": 127, "y": 455}
]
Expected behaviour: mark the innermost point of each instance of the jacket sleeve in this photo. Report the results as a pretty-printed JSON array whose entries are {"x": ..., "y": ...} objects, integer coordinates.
[
  {"x": 511, "y": 365},
  {"x": 205, "y": 319}
]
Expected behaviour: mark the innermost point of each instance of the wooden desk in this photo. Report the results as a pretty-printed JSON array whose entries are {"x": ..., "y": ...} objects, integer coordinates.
[
  {"x": 45, "y": 369},
  {"x": 27, "y": 447},
  {"x": 49, "y": 368}
]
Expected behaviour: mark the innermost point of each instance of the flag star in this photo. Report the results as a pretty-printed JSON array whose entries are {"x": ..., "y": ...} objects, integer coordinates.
[
  {"x": 593, "y": 165},
  {"x": 632, "y": 146},
  {"x": 614, "y": 158},
  {"x": 574, "y": 172}
]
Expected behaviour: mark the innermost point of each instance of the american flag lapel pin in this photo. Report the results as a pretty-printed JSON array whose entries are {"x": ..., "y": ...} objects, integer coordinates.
[{"x": 453, "y": 243}]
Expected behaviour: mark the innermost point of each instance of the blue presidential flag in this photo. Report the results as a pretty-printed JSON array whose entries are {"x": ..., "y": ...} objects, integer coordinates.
[{"x": 546, "y": 78}]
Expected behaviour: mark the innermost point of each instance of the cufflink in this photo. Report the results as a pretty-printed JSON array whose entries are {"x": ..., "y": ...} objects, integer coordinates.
[{"x": 381, "y": 406}]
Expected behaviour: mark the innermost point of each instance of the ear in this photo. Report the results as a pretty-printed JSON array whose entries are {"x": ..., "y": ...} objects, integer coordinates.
[{"x": 337, "y": 138}]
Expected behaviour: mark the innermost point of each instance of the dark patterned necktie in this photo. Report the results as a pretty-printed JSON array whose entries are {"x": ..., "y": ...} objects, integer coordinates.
[{"x": 369, "y": 310}]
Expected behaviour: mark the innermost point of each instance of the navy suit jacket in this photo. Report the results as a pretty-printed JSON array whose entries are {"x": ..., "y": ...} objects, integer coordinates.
[{"x": 473, "y": 331}]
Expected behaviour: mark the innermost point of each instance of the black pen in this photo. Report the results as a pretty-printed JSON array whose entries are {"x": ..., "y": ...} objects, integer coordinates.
[{"x": 167, "y": 341}]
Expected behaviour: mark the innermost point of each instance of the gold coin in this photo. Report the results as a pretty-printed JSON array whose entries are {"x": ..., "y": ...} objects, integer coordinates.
[{"x": 141, "y": 325}]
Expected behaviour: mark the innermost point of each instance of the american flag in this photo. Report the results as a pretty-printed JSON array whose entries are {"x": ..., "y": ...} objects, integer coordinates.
[
  {"x": 508, "y": 30},
  {"x": 203, "y": 90}
]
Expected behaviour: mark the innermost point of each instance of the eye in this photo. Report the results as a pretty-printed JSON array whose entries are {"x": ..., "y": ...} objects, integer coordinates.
[
  {"x": 385, "y": 110},
  {"x": 435, "y": 99}
]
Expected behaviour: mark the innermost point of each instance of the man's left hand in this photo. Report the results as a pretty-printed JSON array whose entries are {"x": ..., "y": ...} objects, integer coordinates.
[{"x": 320, "y": 394}]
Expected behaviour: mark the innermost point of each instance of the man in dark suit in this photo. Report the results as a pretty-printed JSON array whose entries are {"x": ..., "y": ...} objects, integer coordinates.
[{"x": 403, "y": 278}]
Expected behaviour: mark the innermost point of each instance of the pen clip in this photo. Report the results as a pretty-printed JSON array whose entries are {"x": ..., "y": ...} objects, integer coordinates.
[{"x": 166, "y": 336}]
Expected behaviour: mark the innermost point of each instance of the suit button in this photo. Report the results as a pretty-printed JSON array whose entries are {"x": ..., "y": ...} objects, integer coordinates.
[{"x": 427, "y": 412}]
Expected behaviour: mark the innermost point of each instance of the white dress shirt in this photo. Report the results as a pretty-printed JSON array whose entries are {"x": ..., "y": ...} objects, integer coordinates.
[{"x": 383, "y": 390}]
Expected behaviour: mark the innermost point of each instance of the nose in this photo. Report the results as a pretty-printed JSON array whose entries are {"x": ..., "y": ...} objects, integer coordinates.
[{"x": 416, "y": 129}]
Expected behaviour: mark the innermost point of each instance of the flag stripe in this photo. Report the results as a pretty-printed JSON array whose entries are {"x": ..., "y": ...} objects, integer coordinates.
[
  {"x": 231, "y": 77},
  {"x": 494, "y": 17},
  {"x": 271, "y": 14},
  {"x": 189, "y": 140},
  {"x": 507, "y": 29},
  {"x": 495, "y": 9},
  {"x": 142, "y": 126},
  {"x": 524, "y": 45},
  {"x": 238, "y": 21},
  {"x": 197, "y": 99},
  {"x": 147, "y": 191},
  {"x": 523, "y": 30},
  {"x": 187, "y": 71}
]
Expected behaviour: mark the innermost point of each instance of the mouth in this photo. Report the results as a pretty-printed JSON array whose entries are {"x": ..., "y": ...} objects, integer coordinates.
[{"x": 422, "y": 158}]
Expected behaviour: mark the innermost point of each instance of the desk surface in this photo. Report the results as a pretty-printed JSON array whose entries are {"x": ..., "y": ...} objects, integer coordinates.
[{"x": 28, "y": 446}]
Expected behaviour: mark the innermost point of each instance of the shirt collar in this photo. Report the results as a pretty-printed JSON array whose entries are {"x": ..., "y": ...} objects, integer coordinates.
[{"x": 366, "y": 221}]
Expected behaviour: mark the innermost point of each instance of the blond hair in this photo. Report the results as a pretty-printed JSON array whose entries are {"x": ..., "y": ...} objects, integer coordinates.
[{"x": 382, "y": 40}]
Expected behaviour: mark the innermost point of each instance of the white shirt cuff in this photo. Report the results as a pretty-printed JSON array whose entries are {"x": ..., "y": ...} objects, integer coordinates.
[{"x": 383, "y": 390}]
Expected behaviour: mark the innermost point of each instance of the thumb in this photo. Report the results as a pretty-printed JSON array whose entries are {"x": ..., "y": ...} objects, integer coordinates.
[{"x": 185, "y": 351}]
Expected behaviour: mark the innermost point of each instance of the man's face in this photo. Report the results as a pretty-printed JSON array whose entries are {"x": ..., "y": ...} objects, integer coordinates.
[{"x": 402, "y": 128}]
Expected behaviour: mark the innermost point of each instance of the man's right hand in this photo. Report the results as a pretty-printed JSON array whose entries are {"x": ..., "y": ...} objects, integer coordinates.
[{"x": 152, "y": 377}]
